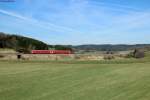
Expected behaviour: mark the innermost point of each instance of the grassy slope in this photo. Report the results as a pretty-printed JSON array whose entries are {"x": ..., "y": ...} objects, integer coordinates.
[{"x": 60, "y": 81}]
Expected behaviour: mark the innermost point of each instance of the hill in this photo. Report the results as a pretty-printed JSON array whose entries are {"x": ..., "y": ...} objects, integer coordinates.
[
  {"x": 109, "y": 47},
  {"x": 26, "y": 44},
  {"x": 21, "y": 43}
]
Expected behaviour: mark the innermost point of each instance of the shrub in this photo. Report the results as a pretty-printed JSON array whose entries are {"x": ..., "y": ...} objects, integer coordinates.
[
  {"x": 2, "y": 56},
  {"x": 109, "y": 57},
  {"x": 138, "y": 53},
  {"x": 130, "y": 55}
]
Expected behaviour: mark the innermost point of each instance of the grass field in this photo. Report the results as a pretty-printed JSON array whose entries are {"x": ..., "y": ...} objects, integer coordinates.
[{"x": 74, "y": 81}]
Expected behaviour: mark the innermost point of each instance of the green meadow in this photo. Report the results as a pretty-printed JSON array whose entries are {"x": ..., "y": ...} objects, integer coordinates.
[{"x": 64, "y": 80}]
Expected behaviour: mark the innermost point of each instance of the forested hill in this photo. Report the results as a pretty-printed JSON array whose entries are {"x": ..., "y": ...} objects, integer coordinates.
[
  {"x": 109, "y": 47},
  {"x": 26, "y": 44},
  {"x": 21, "y": 43}
]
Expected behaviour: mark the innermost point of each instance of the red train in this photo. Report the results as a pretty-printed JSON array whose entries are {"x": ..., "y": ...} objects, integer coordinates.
[{"x": 51, "y": 52}]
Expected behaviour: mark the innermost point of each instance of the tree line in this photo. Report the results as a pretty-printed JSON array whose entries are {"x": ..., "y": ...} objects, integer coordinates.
[
  {"x": 108, "y": 47},
  {"x": 25, "y": 44}
]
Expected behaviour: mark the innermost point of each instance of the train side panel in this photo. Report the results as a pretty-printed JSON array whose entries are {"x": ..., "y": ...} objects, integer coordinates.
[{"x": 51, "y": 52}]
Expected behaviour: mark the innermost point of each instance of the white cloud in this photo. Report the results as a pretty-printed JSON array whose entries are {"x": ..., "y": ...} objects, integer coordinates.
[
  {"x": 12, "y": 14},
  {"x": 115, "y": 7},
  {"x": 45, "y": 25}
]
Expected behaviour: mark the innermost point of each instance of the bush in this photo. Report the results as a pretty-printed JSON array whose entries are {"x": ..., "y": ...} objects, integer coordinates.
[
  {"x": 77, "y": 57},
  {"x": 130, "y": 55},
  {"x": 109, "y": 57},
  {"x": 139, "y": 53},
  {"x": 2, "y": 56}
]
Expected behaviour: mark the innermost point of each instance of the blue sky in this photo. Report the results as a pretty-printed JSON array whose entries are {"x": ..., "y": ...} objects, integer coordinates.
[{"x": 78, "y": 21}]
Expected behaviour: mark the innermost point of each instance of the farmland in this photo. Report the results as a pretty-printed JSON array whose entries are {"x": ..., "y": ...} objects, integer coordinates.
[{"x": 74, "y": 80}]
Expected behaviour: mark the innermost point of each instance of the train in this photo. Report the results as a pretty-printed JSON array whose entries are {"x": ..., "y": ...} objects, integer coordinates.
[{"x": 51, "y": 52}]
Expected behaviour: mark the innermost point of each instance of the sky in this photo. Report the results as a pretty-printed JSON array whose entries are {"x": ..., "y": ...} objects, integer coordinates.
[{"x": 76, "y": 22}]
